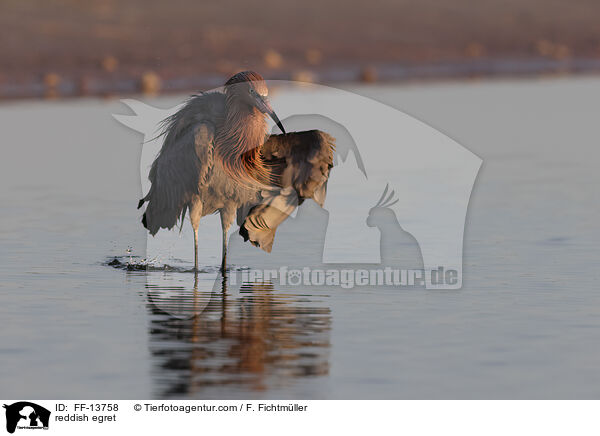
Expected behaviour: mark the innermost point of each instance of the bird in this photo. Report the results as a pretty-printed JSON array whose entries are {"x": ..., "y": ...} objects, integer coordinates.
[{"x": 217, "y": 157}]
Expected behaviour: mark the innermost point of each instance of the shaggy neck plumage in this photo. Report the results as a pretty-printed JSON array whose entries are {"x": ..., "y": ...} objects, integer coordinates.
[{"x": 238, "y": 144}]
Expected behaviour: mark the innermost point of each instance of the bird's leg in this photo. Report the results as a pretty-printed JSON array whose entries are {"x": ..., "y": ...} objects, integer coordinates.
[
  {"x": 196, "y": 251},
  {"x": 224, "y": 251},
  {"x": 195, "y": 210},
  {"x": 226, "y": 220}
]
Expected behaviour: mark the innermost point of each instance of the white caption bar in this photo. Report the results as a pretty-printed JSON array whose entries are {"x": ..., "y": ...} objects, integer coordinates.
[{"x": 297, "y": 417}]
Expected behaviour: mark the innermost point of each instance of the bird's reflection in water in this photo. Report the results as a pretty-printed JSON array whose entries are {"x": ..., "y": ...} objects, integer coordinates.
[{"x": 252, "y": 338}]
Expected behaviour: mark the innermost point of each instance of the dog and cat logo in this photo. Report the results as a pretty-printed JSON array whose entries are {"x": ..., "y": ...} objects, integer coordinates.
[{"x": 26, "y": 415}]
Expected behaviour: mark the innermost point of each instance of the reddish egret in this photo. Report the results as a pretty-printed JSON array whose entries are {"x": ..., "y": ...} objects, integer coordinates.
[{"x": 215, "y": 159}]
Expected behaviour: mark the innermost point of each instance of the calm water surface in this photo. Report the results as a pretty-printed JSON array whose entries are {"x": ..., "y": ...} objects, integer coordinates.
[{"x": 525, "y": 325}]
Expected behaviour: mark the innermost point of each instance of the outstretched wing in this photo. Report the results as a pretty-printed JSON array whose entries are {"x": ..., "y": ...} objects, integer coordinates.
[
  {"x": 301, "y": 160},
  {"x": 183, "y": 164},
  {"x": 300, "y": 163}
]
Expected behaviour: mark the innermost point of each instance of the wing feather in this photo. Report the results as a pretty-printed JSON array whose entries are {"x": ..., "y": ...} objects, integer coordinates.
[
  {"x": 300, "y": 163},
  {"x": 182, "y": 166},
  {"x": 301, "y": 160}
]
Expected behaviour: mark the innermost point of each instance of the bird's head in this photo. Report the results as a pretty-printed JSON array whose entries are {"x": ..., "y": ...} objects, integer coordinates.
[{"x": 250, "y": 88}]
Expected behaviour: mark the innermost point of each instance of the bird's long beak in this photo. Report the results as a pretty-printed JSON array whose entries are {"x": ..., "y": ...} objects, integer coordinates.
[
  {"x": 266, "y": 108},
  {"x": 273, "y": 115}
]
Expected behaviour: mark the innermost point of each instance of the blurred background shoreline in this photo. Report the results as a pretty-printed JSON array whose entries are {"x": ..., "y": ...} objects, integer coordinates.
[{"x": 67, "y": 48}]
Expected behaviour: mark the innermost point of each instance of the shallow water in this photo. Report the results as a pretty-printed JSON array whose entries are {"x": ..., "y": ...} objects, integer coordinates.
[{"x": 525, "y": 324}]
